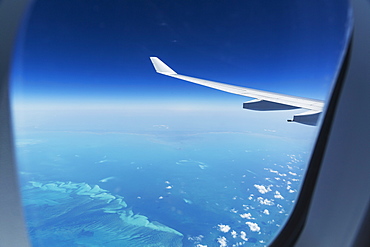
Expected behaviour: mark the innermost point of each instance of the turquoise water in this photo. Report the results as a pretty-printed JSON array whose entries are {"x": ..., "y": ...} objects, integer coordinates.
[{"x": 202, "y": 189}]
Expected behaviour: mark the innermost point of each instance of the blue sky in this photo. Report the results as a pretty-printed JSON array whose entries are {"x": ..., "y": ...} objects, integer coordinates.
[{"x": 99, "y": 50}]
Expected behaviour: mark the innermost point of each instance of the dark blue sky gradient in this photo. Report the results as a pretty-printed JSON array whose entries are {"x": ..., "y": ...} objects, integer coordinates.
[{"x": 99, "y": 50}]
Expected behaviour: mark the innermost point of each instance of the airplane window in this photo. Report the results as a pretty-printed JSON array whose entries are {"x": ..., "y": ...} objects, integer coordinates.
[{"x": 117, "y": 143}]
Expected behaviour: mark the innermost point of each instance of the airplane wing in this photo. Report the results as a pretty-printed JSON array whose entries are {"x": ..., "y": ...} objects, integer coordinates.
[{"x": 263, "y": 100}]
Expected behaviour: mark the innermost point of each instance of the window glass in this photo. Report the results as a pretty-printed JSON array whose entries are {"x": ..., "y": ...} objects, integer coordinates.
[{"x": 111, "y": 153}]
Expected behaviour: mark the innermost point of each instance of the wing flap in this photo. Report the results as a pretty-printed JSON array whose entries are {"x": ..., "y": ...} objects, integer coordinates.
[
  {"x": 263, "y": 105},
  {"x": 309, "y": 117}
]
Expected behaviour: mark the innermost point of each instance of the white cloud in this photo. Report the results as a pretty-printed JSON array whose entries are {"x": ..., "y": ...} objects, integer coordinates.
[
  {"x": 233, "y": 210},
  {"x": 202, "y": 166},
  {"x": 278, "y": 195},
  {"x": 273, "y": 171},
  {"x": 243, "y": 236},
  {"x": 222, "y": 241},
  {"x": 234, "y": 234},
  {"x": 293, "y": 158},
  {"x": 266, "y": 212},
  {"x": 246, "y": 216},
  {"x": 224, "y": 228},
  {"x": 265, "y": 201},
  {"x": 253, "y": 226},
  {"x": 196, "y": 238},
  {"x": 187, "y": 201},
  {"x": 104, "y": 180},
  {"x": 161, "y": 126},
  {"x": 262, "y": 189}
]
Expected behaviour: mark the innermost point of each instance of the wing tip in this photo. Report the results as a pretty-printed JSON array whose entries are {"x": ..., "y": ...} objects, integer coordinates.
[{"x": 161, "y": 67}]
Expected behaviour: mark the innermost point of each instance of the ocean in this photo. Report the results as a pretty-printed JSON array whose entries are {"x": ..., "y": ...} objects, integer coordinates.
[{"x": 210, "y": 188}]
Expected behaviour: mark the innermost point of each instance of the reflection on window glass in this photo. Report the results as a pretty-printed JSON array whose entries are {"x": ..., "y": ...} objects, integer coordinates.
[{"x": 110, "y": 153}]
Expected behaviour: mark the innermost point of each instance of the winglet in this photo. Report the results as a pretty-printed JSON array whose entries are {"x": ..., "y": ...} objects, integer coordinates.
[{"x": 161, "y": 67}]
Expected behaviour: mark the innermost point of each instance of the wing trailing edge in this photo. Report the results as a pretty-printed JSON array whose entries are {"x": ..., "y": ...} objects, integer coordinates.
[{"x": 264, "y": 101}]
